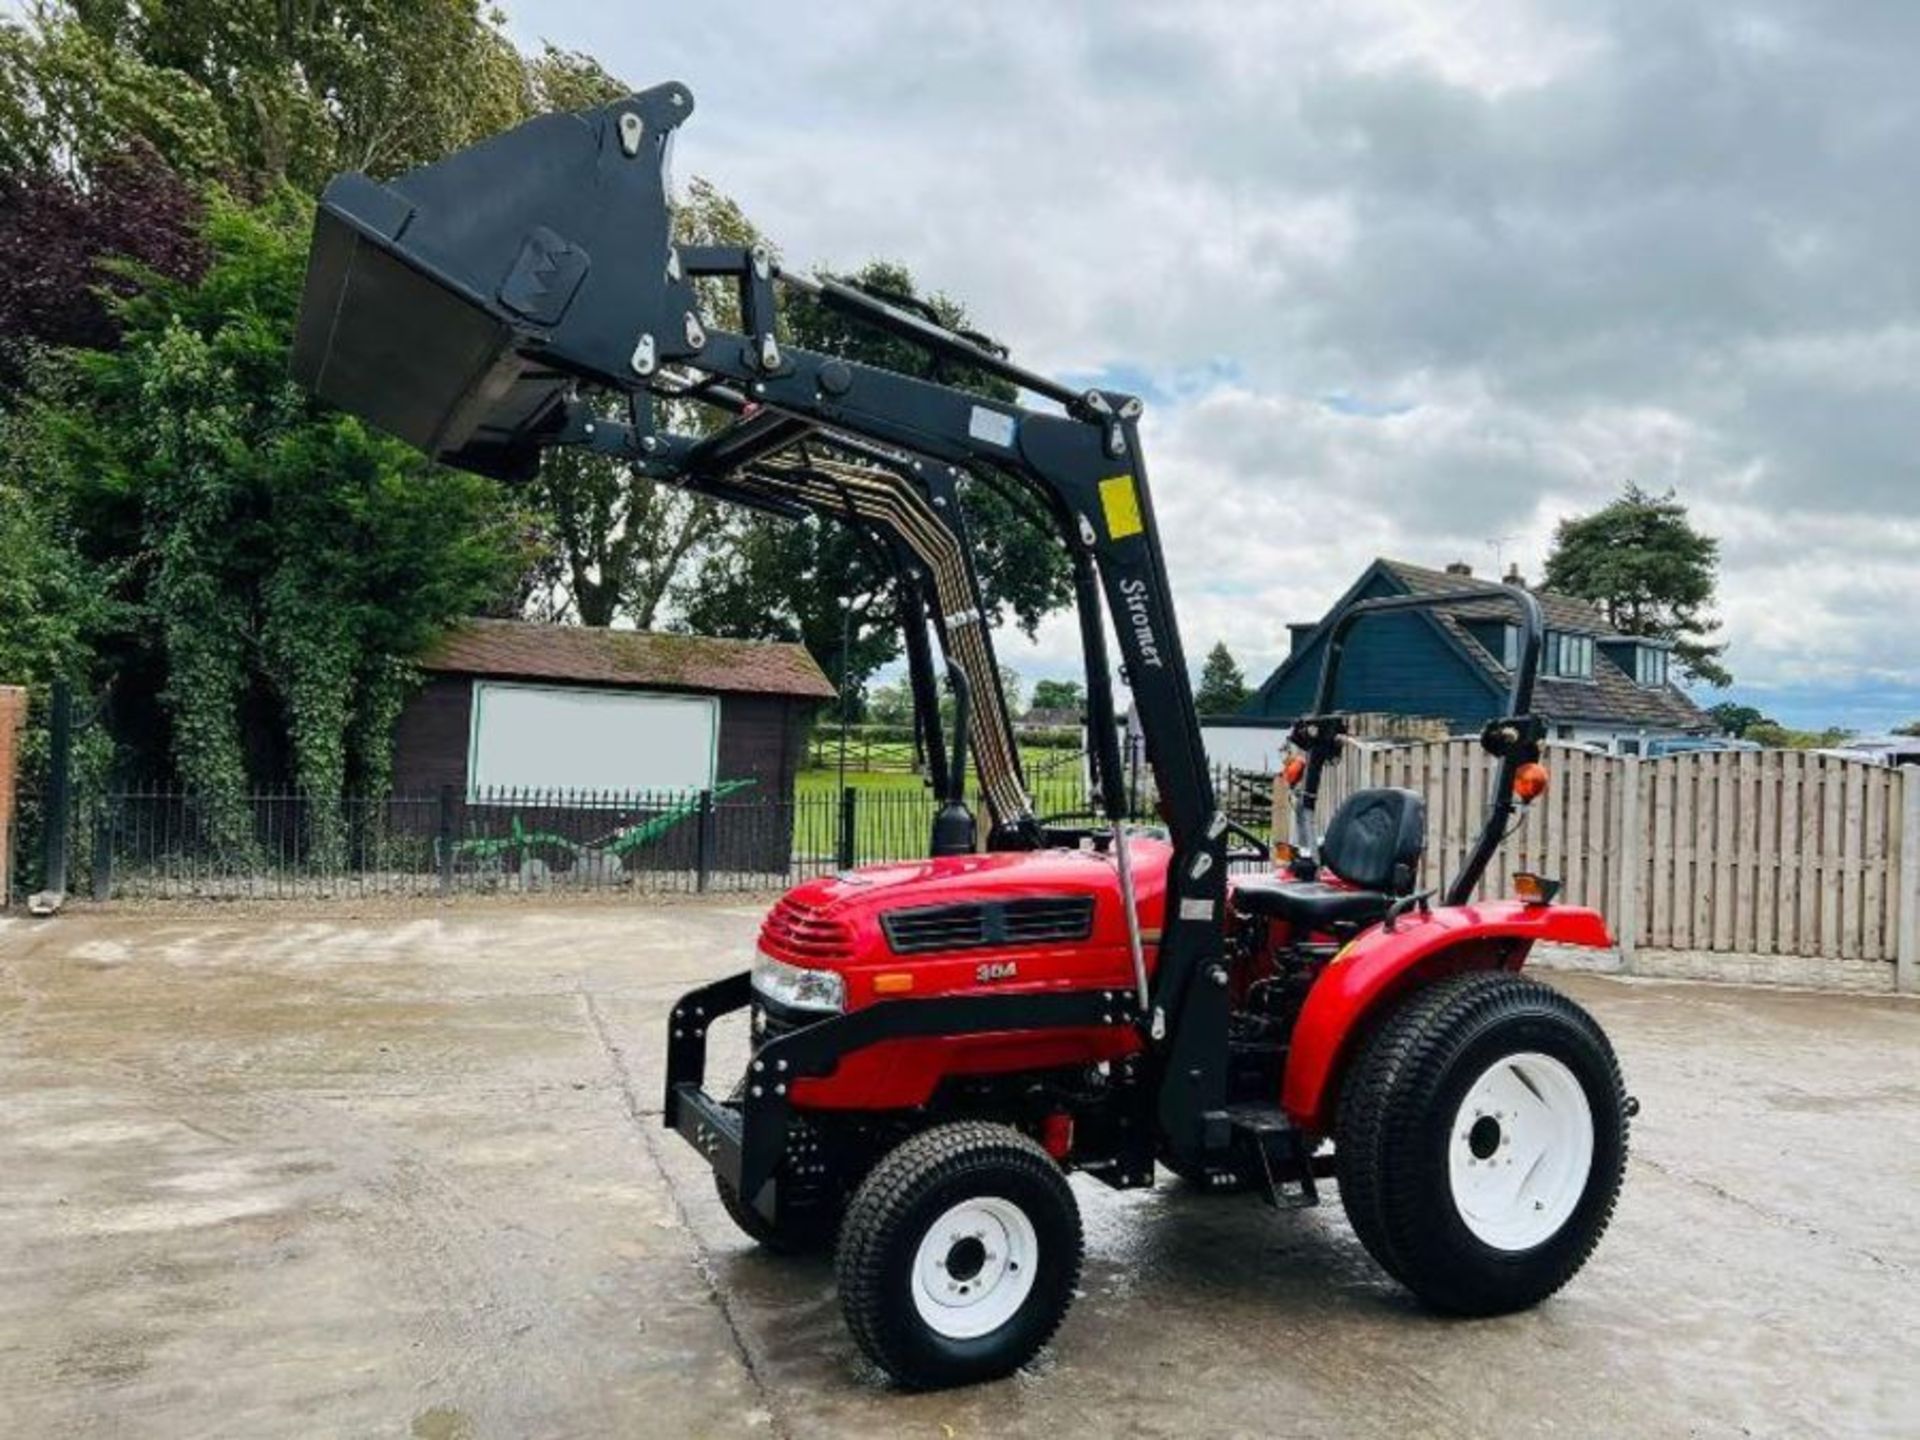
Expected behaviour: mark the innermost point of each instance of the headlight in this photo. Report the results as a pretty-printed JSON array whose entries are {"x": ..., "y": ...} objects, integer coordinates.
[{"x": 796, "y": 987}]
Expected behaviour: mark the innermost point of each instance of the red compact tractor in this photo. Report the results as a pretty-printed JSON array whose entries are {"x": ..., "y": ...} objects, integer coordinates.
[{"x": 937, "y": 1045}]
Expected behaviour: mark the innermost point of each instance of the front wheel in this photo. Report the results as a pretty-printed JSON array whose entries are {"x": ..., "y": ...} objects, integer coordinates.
[
  {"x": 808, "y": 1213},
  {"x": 959, "y": 1255},
  {"x": 1482, "y": 1140},
  {"x": 791, "y": 1234}
]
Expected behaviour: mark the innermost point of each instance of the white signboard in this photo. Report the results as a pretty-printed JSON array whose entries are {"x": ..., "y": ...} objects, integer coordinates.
[
  {"x": 1260, "y": 748},
  {"x": 548, "y": 737}
]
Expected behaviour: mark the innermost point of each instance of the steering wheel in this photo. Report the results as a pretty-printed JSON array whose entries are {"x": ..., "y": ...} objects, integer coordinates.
[
  {"x": 1260, "y": 852},
  {"x": 1056, "y": 831},
  {"x": 1100, "y": 832}
]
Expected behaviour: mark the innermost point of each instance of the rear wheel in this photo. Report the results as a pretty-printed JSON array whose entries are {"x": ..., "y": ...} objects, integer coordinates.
[
  {"x": 959, "y": 1255},
  {"x": 1482, "y": 1139}
]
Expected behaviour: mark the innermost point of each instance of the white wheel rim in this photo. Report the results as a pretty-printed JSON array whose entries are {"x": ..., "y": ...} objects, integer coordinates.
[
  {"x": 975, "y": 1268},
  {"x": 1520, "y": 1151}
]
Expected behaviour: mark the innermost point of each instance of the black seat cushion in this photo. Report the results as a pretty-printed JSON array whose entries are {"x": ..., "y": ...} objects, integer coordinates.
[
  {"x": 1374, "y": 843},
  {"x": 1375, "y": 840},
  {"x": 1307, "y": 905}
]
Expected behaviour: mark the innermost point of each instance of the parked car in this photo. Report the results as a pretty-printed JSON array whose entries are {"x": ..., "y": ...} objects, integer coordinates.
[
  {"x": 1879, "y": 749},
  {"x": 1696, "y": 745}
]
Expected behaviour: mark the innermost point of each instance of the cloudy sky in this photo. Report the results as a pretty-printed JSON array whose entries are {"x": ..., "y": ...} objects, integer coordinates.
[{"x": 1400, "y": 278}]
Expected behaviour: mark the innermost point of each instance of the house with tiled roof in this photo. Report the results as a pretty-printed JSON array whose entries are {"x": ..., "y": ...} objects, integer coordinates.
[{"x": 1597, "y": 686}]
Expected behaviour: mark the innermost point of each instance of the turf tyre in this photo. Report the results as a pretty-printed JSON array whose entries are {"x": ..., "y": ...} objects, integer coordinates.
[
  {"x": 797, "y": 1231},
  {"x": 1402, "y": 1107},
  {"x": 802, "y": 1234},
  {"x": 891, "y": 1229}
]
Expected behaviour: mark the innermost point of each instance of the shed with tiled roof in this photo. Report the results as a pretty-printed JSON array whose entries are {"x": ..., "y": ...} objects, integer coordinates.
[{"x": 514, "y": 706}]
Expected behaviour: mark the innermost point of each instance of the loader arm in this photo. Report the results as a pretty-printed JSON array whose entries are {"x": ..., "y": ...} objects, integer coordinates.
[
  {"x": 465, "y": 306},
  {"x": 908, "y": 505}
]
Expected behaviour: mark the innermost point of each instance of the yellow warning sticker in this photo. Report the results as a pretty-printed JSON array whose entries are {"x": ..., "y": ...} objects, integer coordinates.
[{"x": 1122, "y": 504}]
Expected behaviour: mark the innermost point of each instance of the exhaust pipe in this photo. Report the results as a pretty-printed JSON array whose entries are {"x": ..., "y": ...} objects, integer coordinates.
[{"x": 954, "y": 829}]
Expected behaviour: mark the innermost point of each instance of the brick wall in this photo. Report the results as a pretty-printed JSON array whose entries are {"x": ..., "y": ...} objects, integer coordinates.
[{"x": 13, "y": 718}]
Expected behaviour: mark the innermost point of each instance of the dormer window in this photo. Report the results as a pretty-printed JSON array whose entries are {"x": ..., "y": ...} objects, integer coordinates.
[
  {"x": 1650, "y": 666},
  {"x": 1568, "y": 657}
]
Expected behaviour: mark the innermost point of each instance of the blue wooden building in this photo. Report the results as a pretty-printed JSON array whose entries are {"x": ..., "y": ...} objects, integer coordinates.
[{"x": 1596, "y": 686}]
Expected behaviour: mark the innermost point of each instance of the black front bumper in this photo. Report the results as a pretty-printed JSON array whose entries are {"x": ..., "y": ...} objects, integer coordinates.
[
  {"x": 717, "y": 1130},
  {"x": 744, "y": 1143}
]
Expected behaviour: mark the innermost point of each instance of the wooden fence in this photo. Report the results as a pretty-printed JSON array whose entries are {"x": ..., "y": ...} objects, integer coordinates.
[{"x": 1748, "y": 853}]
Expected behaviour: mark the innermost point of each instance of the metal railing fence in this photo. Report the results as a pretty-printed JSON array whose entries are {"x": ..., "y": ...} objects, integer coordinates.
[{"x": 162, "y": 842}]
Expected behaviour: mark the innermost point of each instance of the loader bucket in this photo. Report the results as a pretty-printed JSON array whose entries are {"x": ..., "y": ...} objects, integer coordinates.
[{"x": 455, "y": 305}]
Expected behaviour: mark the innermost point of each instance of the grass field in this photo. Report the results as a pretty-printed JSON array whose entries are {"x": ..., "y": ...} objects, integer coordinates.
[
  {"x": 894, "y": 808},
  {"x": 1052, "y": 785}
]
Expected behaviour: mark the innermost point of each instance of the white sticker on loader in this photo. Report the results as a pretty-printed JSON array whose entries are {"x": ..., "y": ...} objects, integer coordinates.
[{"x": 993, "y": 426}]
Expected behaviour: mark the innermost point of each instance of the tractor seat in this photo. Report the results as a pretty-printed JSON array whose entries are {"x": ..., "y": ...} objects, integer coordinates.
[
  {"x": 1307, "y": 904},
  {"x": 1373, "y": 843}
]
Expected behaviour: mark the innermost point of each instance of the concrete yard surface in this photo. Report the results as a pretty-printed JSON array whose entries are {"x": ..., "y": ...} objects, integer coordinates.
[{"x": 365, "y": 1172}]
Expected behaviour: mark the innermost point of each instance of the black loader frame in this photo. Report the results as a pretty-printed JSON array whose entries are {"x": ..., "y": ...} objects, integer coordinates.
[{"x": 479, "y": 332}]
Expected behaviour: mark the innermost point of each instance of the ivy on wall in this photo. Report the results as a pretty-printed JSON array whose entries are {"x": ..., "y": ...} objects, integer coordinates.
[{"x": 259, "y": 543}]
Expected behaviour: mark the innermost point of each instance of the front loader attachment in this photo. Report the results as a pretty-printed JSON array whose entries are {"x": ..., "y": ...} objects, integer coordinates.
[
  {"x": 457, "y": 304},
  {"x": 527, "y": 292}
]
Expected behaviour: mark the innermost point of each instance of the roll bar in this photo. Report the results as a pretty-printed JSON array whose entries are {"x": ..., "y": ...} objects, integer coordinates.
[
  {"x": 1514, "y": 738},
  {"x": 1525, "y": 671}
]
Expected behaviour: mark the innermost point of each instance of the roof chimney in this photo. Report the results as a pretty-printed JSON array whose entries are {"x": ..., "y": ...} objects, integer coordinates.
[
  {"x": 1513, "y": 576},
  {"x": 1459, "y": 567}
]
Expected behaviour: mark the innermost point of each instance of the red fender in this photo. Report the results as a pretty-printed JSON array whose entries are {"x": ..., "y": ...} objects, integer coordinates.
[{"x": 1351, "y": 990}]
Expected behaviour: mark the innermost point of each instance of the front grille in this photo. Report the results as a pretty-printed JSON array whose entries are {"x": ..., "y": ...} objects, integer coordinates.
[
  {"x": 938, "y": 927},
  {"x": 1040, "y": 920},
  {"x": 1027, "y": 922},
  {"x": 800, "y": 932}
]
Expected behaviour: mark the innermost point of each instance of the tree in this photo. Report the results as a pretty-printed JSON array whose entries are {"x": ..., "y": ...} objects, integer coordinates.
[
  {"x": 232, "y": 517},
  {"x": 303, "y": 91},
  {"x": 1649, "y": 571},
  {"x": 616, "y": 541},
  {"x": 1223, "y": 688},
  {"x": 254, "y": 94},
  {"x": 71, "y": 246},
  {"x": 1778, "y": 737},
  {"x": 1011, "y": 686},
  {"x": 1058, "y": 695},
  {"x": 1912, "y": 727},
  {"x": 1736, "y": 720},
  {"x": 803, "y": 581},
  {"x": 53, "y": 600},
  {"x": 1023, "y": 568},
  {"x": 891, "y": 704},
  {"x": 264, "y": 552},
  {"x": 73, "y": 94}
]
